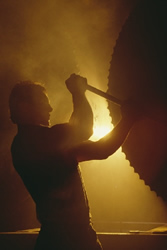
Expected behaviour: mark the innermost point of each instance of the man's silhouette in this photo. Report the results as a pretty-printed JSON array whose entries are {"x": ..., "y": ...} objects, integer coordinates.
[{"x": 47, "y": 160}]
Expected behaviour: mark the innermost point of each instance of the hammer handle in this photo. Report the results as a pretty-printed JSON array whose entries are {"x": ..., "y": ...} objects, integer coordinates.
[{"x": 105, "y": 95}]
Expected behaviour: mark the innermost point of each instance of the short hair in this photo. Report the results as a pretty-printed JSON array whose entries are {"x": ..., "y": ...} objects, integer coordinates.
[{"x": 24, "y": 91}]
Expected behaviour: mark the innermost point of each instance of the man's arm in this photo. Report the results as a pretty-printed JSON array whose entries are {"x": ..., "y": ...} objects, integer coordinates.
[
  {"x": 82, "y": 116},
  {"x": 106, "y": 146}
]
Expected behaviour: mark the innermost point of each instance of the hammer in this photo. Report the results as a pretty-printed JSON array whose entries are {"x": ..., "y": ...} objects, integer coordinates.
[{"x": 105, "y": 95}]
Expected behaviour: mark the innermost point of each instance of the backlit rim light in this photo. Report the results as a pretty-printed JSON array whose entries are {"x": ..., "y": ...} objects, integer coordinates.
[{"x": 100, "y": 131}]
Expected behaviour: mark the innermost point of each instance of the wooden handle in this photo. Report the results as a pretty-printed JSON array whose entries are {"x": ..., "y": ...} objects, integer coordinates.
[{"x": 105, "y": 95}]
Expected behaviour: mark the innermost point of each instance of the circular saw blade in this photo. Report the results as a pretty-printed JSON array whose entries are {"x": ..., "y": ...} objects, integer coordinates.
[{"x": 138, "y": 71}]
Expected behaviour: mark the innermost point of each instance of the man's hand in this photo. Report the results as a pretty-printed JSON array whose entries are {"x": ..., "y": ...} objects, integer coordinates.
[{"x": 76, "y": 84}]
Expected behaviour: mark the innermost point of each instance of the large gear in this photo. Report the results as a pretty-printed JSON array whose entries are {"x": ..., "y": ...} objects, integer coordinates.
[{"x": 138, "y": 71}]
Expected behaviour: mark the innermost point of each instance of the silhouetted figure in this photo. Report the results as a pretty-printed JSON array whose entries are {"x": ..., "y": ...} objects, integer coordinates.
[{"x": 47, "y": 159}]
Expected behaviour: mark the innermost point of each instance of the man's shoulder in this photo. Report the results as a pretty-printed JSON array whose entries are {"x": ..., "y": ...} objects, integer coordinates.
[
  {"x": 60, "y": 127},
  {"x": 63, "y": 132}
]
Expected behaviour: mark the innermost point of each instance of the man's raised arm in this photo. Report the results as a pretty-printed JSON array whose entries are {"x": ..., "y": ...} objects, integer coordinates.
[
  {"x": 82, "y": 116},
  {"x": 106, "y": 146}
]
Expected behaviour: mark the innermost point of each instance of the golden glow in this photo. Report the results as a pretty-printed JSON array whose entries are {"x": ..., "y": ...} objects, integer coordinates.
[
  {"x": 84, "y": 46},
  {"x": 114, "y": 186},
  {"x": 100, "y": 131},
  {"x": 102, "y": 118}
]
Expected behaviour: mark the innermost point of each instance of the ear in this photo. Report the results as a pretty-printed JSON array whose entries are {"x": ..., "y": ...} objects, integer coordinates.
[
  {"x": 25, "y": 112},
  {"x": 24, "y": 107}
]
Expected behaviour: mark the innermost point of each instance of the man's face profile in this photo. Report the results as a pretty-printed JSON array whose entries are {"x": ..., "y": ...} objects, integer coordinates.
[
  {"x": 41, "y": 109},
  {"x": 29, "y": 104}
]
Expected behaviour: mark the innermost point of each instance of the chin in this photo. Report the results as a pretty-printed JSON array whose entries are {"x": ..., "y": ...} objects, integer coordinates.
[
  {"x": 49, "y": 123},
  {"x": 45, "y": 123}
]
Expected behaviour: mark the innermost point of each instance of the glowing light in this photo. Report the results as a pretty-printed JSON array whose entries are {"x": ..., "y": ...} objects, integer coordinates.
[
  {"x": 100, "y": 131},
  {"x": 102, "y": 118}
]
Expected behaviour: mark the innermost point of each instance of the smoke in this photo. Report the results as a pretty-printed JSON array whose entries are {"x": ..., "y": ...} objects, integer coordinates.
[
  {"x": 49, "y": 41},
  {"x": 46, "y": 41}
]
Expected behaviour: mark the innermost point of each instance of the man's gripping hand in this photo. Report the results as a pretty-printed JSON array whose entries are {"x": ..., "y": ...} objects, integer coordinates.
[{"x": 76, "y": 84}]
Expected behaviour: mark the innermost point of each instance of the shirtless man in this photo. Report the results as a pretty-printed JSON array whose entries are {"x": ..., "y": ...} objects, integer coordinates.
[{"x": 46, "y": 157}]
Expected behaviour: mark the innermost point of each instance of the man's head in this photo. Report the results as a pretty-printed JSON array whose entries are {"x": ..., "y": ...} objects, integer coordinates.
[{"x": 29, "y": 104}]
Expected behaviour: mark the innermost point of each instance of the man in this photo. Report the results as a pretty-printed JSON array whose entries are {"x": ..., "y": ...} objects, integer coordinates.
[{"x": 47, "y": 160}]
